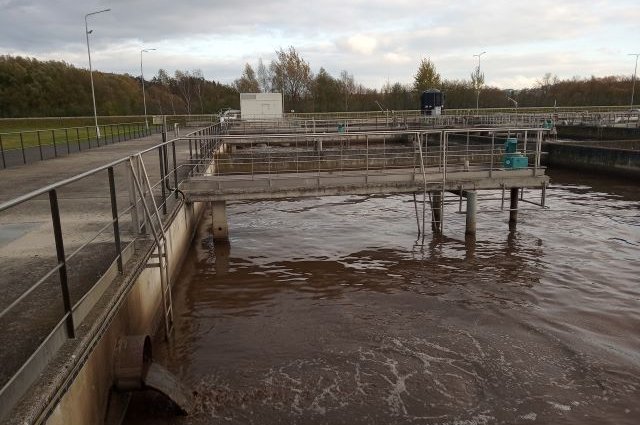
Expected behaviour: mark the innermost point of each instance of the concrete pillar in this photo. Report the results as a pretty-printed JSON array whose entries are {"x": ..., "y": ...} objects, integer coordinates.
[
  {"x": 222, "y": 251},
  {"x": 219, "y": 221},
  {"x": 472, "y": 206},
  {"x": 513, "y": 209},
  {"x": 436, "y": 208}
]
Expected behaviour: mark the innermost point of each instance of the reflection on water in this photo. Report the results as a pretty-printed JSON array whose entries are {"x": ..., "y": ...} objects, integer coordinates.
[{"x": 326, "y": 311}]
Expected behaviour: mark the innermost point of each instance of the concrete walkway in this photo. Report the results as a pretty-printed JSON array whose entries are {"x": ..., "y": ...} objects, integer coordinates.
[{"x": 27, "y": 249}]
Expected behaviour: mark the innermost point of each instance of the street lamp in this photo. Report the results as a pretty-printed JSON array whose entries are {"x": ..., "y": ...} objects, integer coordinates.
[
  {"x": 633, "y": 90},
  {"x": 478, "y": 83},
  {"x": 515, "y": 102},
  {"x": 93, "y": 93},
  {"x": 144, "y": 99}
]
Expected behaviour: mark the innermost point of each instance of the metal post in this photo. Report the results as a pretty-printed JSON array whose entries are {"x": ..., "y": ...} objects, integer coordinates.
[
  {"x": 62, "y": 262},
  {"x": 78, "y": 139},
  {"x": 162, "y": 180},
  {"x": 493, "y": 142},
  {"x": 40, "y": 145},
  {"x": 133, "y": 201},
  {"x": 635, "y": 71},
  {"x": 66, "y": 136},
  {"x": 24, "y": 158},
  {"x": 471, "y": 196},
  {"x": 513, "y": 209},
  {"x": 4, "y": 163},
  {"x": 114, "y": 214},
  {"x": 175, "y": 170},
  {"x": 55, "y": 147},
  {"x": 436, "y": 208},
  {"x": 415, "y": 206},
  {"x": 93, "y": 94},
  {"x": 367, "y": 161}
]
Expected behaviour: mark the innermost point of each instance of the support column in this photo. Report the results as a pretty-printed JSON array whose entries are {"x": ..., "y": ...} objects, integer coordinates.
[
  {"x": 513, "y": 209},
  {"x": 436, "y": 212},
  {"x": 471, "y": 212},
  {"x": 219, "y": 220},
  {"x": 222, "y": 250}
]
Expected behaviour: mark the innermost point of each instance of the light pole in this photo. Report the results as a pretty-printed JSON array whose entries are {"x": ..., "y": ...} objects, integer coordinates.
[
  {"x": 93, "y": 93},
  {"x": 144, "y": 99},
  {"x": 478, "y": 83},
  {"x": 635, "y": 70},
  {"x": 515, "y": 102}
]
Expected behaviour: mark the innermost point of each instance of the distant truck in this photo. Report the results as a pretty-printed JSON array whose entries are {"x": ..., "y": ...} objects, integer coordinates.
[{"x": 432, "y": 102}]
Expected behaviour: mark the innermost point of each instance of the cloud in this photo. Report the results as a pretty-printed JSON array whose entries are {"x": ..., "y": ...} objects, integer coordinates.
[
  {"x": 397, "y": 58},
  {"x": 362, "y": 44},
  {"x": 372, "y": 39}
]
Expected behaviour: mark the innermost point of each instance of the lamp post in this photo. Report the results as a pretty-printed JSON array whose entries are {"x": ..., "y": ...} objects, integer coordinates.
[
  {"x": 515, "y": 102},
  {"x": 144, "y": 99},
  {"x": 93, "y": 93},
  {"x": 635, "y": 70},
  {"x": 478, "y": 83}
]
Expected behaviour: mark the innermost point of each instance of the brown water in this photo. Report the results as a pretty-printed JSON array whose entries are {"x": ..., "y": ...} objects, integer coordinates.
[{"x": 325, "y": 311}]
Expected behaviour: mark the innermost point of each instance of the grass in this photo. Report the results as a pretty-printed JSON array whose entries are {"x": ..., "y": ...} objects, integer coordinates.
[
  {"x": 37, "y": 133},
  {"x": 45, "y": 131}
]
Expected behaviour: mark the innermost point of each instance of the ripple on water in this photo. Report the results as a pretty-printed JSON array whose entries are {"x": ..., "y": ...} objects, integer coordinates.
[{"x": 327, "y": 310}]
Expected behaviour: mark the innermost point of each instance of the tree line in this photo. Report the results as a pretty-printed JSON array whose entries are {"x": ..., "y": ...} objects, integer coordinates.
[{"x": 31, "y": 88}]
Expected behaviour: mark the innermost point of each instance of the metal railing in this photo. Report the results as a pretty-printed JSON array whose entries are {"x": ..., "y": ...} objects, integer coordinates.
[
  {"x": 413, "y": 120},
  {"x": 175, "y": 160},
  {"x": 22, "y": 147},
  {"x": 289, "y": 155},
  {"x": 37, "y": 139}
]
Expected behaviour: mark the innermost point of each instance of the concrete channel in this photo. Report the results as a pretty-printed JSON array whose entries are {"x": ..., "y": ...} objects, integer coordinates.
[
  {"x": 59, "y": 361},
  {"x": 85, "y": 373}
]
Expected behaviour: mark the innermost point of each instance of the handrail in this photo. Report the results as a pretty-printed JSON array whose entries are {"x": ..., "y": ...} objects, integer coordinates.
[
  {"x": 43, "y": 190},
  {"x": 27, "y": 371}
]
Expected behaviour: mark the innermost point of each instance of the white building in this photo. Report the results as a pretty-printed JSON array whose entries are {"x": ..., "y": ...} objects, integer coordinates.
[{"x": 260, "y": 106}]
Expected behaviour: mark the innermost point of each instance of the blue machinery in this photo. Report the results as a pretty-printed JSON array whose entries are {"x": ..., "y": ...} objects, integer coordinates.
[{"x": 512, "y": 158}]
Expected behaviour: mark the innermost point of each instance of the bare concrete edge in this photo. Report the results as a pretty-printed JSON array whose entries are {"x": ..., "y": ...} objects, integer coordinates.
[
  {"x": 19, "y": 384},
  {"x": 45, "y": 394}
]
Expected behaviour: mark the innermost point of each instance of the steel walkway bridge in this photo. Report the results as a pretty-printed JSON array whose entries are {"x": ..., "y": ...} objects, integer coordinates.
[{"x": 269, "y": 166}]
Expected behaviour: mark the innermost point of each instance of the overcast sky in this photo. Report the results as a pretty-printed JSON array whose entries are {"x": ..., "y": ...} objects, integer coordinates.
[{"x": 374, "y": 40}]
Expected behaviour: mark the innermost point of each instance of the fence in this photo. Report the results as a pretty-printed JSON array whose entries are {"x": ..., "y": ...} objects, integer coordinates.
[
  {"x": 48, "y": 292},
  {"x": 297, "y": 156},
  {"x": 32, "y": 142}
]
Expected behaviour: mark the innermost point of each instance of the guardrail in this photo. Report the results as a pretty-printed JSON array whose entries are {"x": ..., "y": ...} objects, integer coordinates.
[
  {"x": 24, "y": 147},
  {"x": 33, "y": 328},
  {"x": 462, "y": 111},
  {"x": 374, "y": 150},
  {"x": 37, "y": 139}
]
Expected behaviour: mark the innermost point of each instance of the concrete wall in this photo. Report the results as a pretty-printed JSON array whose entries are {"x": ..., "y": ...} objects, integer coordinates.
[
  {"x": 598, "y": 159},
  {"x": 85, "y": 401},
  {"x": 597, "y": 133}
]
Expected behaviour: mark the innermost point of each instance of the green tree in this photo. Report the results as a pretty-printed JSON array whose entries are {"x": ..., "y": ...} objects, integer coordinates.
[
  {"x": 291, "y": 75},
  {"x": 326, "y": 92},
  {"x": 477, "y": 81},
  {"x": 426, "y": 77},
  {"x": 247, "y": 83}
]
